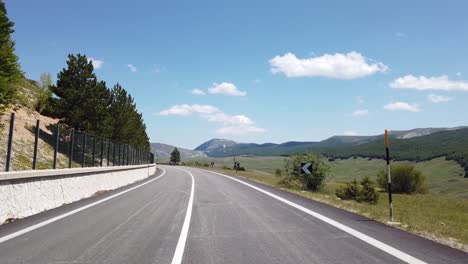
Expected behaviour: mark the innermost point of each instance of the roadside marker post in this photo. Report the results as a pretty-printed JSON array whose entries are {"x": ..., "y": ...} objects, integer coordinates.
[
  {"x": 389, "y": 178},
  {"x": 306, "y": 169}
]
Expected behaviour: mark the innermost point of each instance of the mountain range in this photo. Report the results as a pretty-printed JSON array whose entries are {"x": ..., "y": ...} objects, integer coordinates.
[
  {"x": 224, "y": 147},
  {"x": 418, "y": 144},
  {"x": 163, "y": 151}
]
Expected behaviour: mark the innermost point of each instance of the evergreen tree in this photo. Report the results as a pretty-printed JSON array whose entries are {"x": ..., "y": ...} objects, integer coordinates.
[
  {"x": 9, "y": 66},
  {"x": 81, "y": 100},
  {"x": 127, "y": 123},
  {"x": 175, "y": 156}
]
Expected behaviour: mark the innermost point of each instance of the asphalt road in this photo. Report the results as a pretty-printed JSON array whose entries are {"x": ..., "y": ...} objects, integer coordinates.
[{"x": 186, "y": 215}]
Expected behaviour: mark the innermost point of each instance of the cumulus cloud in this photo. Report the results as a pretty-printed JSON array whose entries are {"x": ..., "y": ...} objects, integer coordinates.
[
  {"x": 339, "y": 66},
  {"x": 360, "y": 100},
  {"x": 429, "y": 83},
  {"x": 185, "y": 110},
  {"x": 226, "y": 88},
  {"x": 350, "y": 133},
  {"x": 97, "y": 64},
  {"x": 231, "y": 124},
  {"x": 438, "y": 98},
  {"x": 132, "y": 67},
  {"x": 360, "y": 112},
  {"x": 402, "y": 106},
  {"x": 238, "y": 130},
  {"x": 197, "y": 92}
]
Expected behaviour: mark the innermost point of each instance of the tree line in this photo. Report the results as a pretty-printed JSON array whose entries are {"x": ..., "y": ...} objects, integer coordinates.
[
  {"x": 9, "y": 66},
  {"x": 78, "y": 98}
]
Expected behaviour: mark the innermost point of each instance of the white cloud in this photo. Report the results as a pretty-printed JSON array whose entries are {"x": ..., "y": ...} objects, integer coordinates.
[
  {"x": 97, "y": 64},
  {"x": 226, "y": 88},
  {"x": 350, "y": 133},
  {"x": 237, "y": 130},
  {"x": 241, "y": 120},
  {"x": 360, "y": 100},
  {"x": 438, "y": 98},
  {"x": 429, "y": 83},
  {"x": 231, "y": 124},
  {"x": 185, "y": 110},
  {"x": 197, "y": 92},
  {"x": 360, "y": 112},
  {"x": 132, "y": 67},
  {"x": 339, "y": 66},
  {"x": 458, "y": 74},
  {"x": 402, "y": 106},
  {"x": 400, "y": 35}
]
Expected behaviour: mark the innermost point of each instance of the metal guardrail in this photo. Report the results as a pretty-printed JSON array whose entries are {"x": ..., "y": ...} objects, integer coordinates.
[{"x": 73, "y": 149}]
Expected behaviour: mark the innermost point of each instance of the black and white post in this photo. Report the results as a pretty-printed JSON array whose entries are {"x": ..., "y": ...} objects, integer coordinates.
[{"x": 389, "y": 177}]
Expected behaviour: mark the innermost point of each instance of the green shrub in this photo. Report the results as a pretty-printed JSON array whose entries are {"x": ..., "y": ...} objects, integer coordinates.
[
  {"x": 348, "y": 192},
  {"x": 278, "y": 172},
  {"x": 206, "y": 165},
  {"x": 314, "y": 181},
  {"x": 368, "y": 193},
  {"x": 405, "y": 179},
  {"x": 363, "y": 192}
]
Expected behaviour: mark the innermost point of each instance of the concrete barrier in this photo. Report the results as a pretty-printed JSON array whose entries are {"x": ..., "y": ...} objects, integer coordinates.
[{"x": 26, "y": 193}]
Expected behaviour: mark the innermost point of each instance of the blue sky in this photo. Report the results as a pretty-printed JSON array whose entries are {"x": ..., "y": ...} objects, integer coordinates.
[{"x": 269, "y": 71}]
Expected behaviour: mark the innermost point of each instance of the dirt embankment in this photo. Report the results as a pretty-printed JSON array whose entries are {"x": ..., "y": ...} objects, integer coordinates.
[{"x": 23, "y": 138}]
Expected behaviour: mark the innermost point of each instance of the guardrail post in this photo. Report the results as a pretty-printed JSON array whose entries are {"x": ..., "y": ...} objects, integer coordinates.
[
  {"x": 72, "y": 141},
  {"x": 120, "y": 147},
  {"x": 102, "y": 152},
  {"x": 56, "y": 145},
  {"x": 94, "y": 151},
  {"x": 124, "y": 151},
  {"x": 83, "y": 162},
  {"x": 108, "y": 151},
  {"x": 113, "y": 155},
  {"x": 10, "y": 142},
  {"x": 36, "y": 142},
  {"x": 128, "y": 153}
]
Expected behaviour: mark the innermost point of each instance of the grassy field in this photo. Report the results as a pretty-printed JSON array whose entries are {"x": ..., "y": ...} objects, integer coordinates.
[
  {"x": 440, "y": 215},
  {"x": 442, "y": 176}
]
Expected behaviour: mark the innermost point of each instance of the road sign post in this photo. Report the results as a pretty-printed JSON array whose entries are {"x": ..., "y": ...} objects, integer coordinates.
[
  {"x": 389, "y": 177},
  {"x": 306, "y": 170}
]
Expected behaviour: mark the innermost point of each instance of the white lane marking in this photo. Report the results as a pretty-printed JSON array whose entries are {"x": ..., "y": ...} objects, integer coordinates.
[
  {"x": 371, "y": 241},
  {"x": 179, "y": 251},
  {"x": 41, "y": 224}
]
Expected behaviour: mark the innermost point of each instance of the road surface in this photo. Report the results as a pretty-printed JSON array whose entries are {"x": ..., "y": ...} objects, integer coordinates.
[{"x": 187, "y": 215}]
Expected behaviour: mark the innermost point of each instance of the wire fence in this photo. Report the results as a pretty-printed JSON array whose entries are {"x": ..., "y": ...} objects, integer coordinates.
[{"x": 27, "y": 144}]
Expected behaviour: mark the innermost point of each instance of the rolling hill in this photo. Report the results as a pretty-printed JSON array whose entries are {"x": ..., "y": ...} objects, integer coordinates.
[
  {"x": 163, "y": 151},
  {"x": 418, "y": 144}
]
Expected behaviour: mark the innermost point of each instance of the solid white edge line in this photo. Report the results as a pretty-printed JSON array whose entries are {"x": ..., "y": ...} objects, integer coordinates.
[
  {"x": 371, "y": 241},
  {"x": 41, "y": 224},
  {"x": 179, "y": 251}
]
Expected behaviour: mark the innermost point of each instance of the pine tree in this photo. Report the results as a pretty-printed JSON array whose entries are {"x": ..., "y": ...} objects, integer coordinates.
[
  {"x": 81, "y": 100},
  {"x": 9, "y": 66},
  {"x": 175, "y": 156},
  {"x": 127, "y": 123}
]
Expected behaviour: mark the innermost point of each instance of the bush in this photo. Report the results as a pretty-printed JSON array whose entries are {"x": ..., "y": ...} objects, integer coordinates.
[
  {"x": 314, "y": 181},
  {"x": 278, "y": 172},
  {"x": 225, "y": 167},
  {"x": 405, "y": 179},
  {"x": 348, "y": 192},
  {"x": 363, "y": 192},
  {"x": 206, "y": 165}
]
